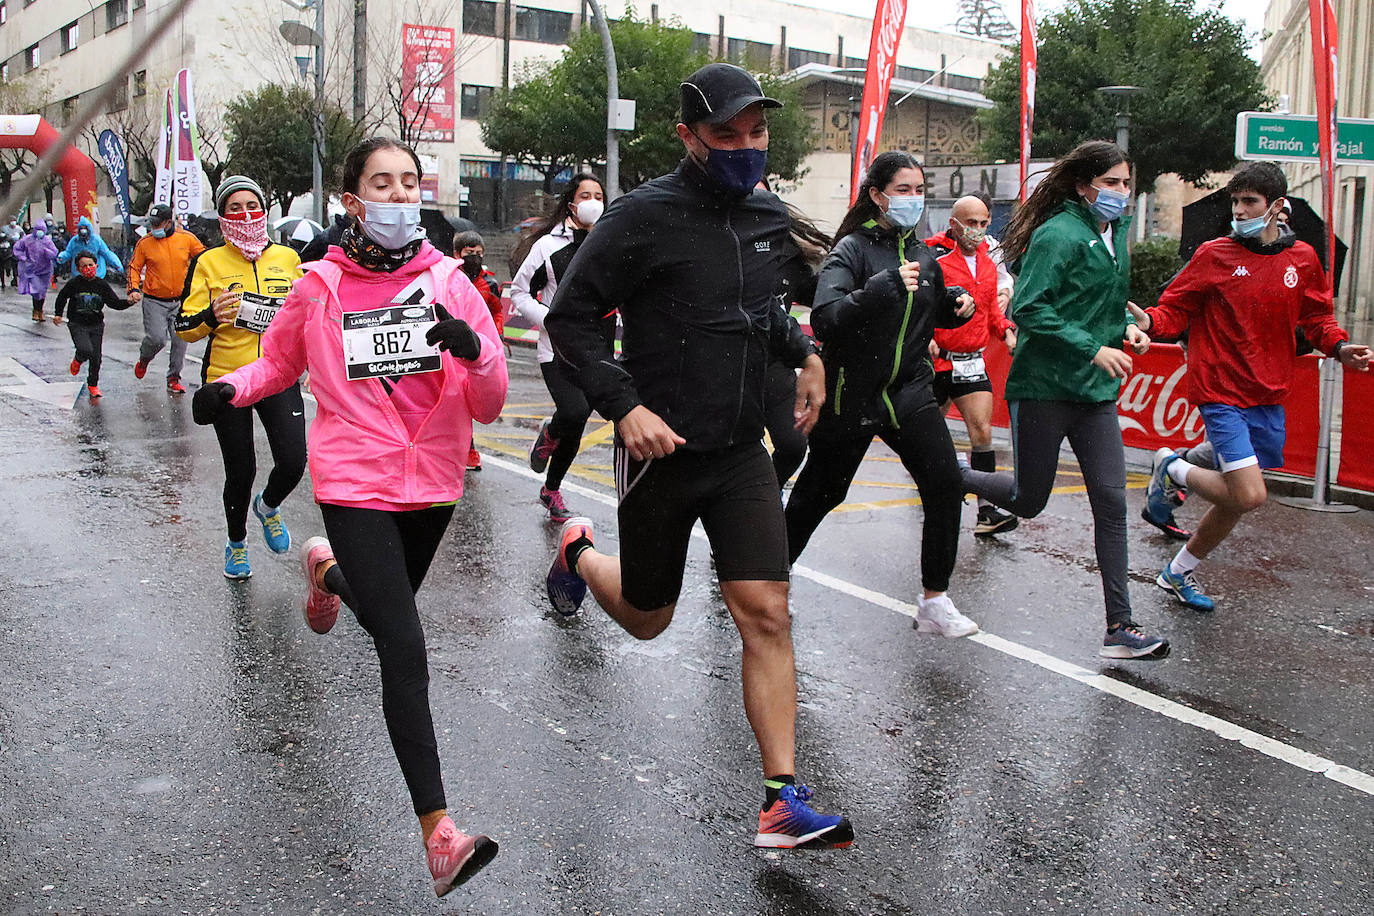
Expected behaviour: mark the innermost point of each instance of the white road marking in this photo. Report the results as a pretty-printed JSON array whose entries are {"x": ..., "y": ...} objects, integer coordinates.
[{"x": 1270, "y": 747}]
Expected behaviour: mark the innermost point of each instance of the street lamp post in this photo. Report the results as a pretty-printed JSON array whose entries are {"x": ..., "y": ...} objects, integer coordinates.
[
  {"x": 1123, "y": 117},
  {"x": 612, "y": 99},
  {"x": 297, "y": 33}
]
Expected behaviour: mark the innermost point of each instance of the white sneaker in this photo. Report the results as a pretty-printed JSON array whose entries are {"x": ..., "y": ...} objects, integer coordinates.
[{"x": 939, "y": 617}]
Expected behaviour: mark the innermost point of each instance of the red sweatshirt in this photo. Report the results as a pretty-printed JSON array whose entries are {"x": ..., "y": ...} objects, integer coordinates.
[
  {"x": 988, "y": 321},
  {"x": 1239, "y": 307}
]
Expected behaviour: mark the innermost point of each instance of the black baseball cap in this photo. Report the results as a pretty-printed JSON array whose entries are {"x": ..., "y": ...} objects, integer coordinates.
[
  {"x": 159, "y": 214},
  {"x": 717, "y": 92}
]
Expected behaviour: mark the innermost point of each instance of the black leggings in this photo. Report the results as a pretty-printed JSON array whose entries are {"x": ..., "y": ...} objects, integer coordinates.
[
  {"x": 1038, "y": 428},
  {"x": 283, "y": 419},
  {"x": 88, "y": 338},
  {"x": 570, "y": 414},
  {"x": 383, "y": 557},
  {"x": 780, "y": 400},
  {"x": 921, "y": 440}
]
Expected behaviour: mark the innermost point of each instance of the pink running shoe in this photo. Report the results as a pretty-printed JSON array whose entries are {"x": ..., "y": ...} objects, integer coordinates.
[
  {"x": 454, "y": 857},
  {"x": 553, "y": 501},
  {"x": 321, "y": 607}
]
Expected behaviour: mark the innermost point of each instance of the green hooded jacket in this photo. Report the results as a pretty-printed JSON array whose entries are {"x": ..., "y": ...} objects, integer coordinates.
[{"x": 1070, "y": 300}]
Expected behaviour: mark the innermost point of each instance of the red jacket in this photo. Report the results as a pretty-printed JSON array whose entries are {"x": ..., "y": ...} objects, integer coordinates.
[
  {"x": 988, "y": 321},
  {"x": 1239, "y": 307}
]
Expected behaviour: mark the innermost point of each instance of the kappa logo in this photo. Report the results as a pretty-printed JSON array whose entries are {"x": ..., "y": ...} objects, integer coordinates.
[
  {"x": 1241, "y": 272},
  {"x": 1290, "y": 277},
  {"x": 762, "y": 246}
]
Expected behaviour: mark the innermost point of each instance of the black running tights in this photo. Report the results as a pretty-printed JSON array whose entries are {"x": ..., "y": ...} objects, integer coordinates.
[
  {"x": 384, "y": 557},
  {"x": 283, "y": 419},
  {"x": 570, "y": 414}
]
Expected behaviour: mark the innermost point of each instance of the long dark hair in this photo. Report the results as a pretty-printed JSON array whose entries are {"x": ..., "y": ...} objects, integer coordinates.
[
  {"x": 1083, "y": 163},
  {"x": 879, "y": 176},
  {"x": 552, "y": 220},
  {"x": 357, "y": 157}
]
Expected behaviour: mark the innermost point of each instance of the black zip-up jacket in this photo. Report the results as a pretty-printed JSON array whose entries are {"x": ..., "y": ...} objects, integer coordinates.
[
  {"x": 88, "y": 299},
  {"x": 874, "y": 334},
  {"x": 694, "y": 273}
]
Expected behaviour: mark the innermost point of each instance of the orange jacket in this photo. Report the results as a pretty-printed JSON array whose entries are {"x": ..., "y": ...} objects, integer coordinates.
[{"x": 158, "y": 266}]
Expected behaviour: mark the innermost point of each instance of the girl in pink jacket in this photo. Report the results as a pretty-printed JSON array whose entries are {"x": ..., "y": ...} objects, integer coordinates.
[{"x": 403, "y": 356}]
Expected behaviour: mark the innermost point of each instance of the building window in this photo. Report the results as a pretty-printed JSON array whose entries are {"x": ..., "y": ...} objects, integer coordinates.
[
  {"x": 69, "y": 109},
  {"x": 140, "y": 84},
  {"x": 547, "y": 26},
  {"x": 70, "y": 36},
  {"x": 120, "y": 100},
  {"x": 479, "y": 17},
  {"x": 4, "y": 14},
  {"x": 140, "y": 4},
  {"x": 754, "y": 55},
  {"x": 31, "y": 57},
  {"x": 703, "y": 43},
  {"x": 4, "y": 73},
  {"x": 915, "y": 74},
  {"x": 796, "y": 57},
  {"x": 966, "y": 83},
  {"x": 476, "y": 101},
  {"x": 857, "y": 63},
  {"x": 116, "y": 14}
]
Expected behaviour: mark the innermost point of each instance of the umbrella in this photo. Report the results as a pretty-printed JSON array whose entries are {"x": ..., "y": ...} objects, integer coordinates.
[
  {"x": 297, "y": 229},
  {"x": 1210, "y": 218}
]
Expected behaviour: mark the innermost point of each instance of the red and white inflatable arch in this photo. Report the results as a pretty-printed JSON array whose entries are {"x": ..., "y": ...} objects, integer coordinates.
[{"x": 32, "y": 133}]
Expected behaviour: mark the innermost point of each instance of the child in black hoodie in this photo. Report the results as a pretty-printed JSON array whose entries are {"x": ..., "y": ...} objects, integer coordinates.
[{"x": 88, "y": 295}]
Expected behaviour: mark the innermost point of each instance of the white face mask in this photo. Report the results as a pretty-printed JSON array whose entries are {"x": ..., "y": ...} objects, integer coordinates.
[
  {"x": 391, "y": 225},
  {"x": 589, "y": 211}
]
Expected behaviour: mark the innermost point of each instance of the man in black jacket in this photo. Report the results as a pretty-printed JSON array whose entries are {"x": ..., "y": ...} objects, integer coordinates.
[{"x": 691, "y": 261}]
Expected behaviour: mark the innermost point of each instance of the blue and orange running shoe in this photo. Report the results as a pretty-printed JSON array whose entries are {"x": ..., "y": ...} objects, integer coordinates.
[
  {"x": 789, "y": 823},
  {"x": 565, "y": 587}
]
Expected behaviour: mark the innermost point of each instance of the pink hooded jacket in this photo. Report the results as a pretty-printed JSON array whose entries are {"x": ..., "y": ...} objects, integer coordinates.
[{"x": 360, "y": 448}]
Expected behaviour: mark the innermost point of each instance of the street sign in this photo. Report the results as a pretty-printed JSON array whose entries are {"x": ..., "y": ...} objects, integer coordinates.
[{"x": 1293, "y": 138}]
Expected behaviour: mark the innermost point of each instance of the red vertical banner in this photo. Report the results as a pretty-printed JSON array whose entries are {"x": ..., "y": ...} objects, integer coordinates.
[
  {"x": 888, "y": 20},
  {"x": 1323, "y": 13},
  {"x": 1028, "y": 42},
  {"x": 427, "y": 69}
]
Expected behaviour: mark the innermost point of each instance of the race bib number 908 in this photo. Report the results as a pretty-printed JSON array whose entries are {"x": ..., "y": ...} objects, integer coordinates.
[{"x": 389, "y": 341}]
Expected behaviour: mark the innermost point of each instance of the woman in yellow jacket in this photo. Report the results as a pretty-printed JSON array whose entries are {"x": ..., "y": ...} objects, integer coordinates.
[{"x": 232, "y": 292}]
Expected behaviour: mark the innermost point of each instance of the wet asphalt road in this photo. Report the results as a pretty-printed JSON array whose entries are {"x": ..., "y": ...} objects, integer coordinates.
[{"x": 171, "y": 742}]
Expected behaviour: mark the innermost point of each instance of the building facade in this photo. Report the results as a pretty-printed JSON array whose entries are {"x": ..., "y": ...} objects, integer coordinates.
[
  {"x": 65, "y": 50},
  {"x": 1286, "y": 69}
]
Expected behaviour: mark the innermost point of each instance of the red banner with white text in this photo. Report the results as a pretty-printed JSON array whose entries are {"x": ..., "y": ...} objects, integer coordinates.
[
  {"x": 1028, "y": 62},
  {"x": 1323, "y": 13},
  {"x": 888, "y": 20},
  {"x": 427, "y": 81}
]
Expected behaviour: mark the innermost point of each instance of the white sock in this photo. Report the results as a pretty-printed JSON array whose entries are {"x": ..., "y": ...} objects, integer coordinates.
[
  {"x": 1178, "y": 471},
  {"x": 1184, "y": 563}
]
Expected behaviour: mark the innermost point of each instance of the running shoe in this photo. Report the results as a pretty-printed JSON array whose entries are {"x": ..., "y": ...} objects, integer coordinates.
[
  {"x": 789, "y": 823},
  {"x": 273, "y": 528},
  {"x": 75, "y": 366},
  {"x": 939, "y": 617},
  {"x": 236, "y": 561},
  {"x": 94, "y": 391},
  {"x": 1162, "y": 495},
  {"x": 1185, "y": 589},
  {"x": 140, "y": 369},
  {"x": 1130, "y": 641},
  {"x": 38, "y": 317},
  {"x": 1168, "y": 524},
  {"x": 454, "y": 857},
  {"x": 992, "y": 520},
  {"x": 553, "y": 501},
  {"x": 542, "y": 448},
  {"x": 175, "y": 387},
  {"x": 321, "y": 607},
  {"x": 474, "y": 460},
  {"x": 565, "y": 587}
]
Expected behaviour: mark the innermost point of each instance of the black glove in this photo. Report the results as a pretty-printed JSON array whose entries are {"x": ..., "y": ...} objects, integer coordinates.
[
  {"x": 210, "y": 401},
  {"x": 455, "y": 336}
]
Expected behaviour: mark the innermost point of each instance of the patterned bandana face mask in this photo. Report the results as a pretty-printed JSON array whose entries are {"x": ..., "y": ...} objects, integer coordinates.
[{"x": 246, "y": 231}]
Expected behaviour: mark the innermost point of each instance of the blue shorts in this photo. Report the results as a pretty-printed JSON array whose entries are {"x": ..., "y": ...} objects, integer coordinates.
[{"x": 1245, "y": 436}]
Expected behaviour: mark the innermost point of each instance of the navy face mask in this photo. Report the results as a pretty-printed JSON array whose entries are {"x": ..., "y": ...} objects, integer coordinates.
[{"x": 737, "y": 171}]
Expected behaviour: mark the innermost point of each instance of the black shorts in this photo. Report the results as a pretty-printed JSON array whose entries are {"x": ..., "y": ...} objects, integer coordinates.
[
  {"x": 733, "y": 491},
  {"x": 946, "y": 389}
]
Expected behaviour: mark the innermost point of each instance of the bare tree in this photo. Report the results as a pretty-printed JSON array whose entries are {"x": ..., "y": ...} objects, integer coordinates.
[{"x": 984, "y": 19}]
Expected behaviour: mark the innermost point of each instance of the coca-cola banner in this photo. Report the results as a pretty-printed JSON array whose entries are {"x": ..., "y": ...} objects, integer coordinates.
[
  {"x": 1357, "y": 432},
  {"x": 1154, "y": 410},
  {"x": 1028, "y": 58},
  {"x": 888, "y": 20}
]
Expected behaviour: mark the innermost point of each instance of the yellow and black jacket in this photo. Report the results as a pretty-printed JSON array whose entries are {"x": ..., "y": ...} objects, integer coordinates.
[{"x": 224, "y": 268}]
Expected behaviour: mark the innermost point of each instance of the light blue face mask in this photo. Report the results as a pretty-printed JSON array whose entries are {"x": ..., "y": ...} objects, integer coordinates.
[
  {"x": 1109, "y": 204},
  {"x": 905, "y": 211},
  {"x": 1249, "y": 228}
]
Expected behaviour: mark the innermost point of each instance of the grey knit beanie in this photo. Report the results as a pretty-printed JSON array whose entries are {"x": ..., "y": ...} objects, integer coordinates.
[{"x": 237, "y": 183}]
